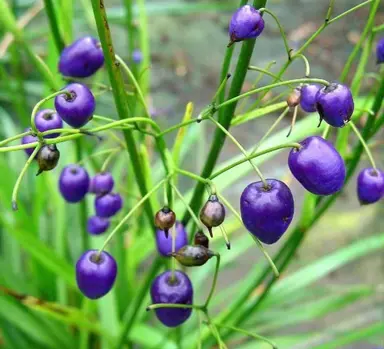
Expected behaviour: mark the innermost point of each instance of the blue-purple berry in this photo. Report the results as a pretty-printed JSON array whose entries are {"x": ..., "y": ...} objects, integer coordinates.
[
  {"x": 318, "y": 166},
  {"x": 164, "y": 243},
  {"x": 108, "y": 205},
  {"x": 97, "y": 225},
  {"x": 370, "y": 185},
  {"x": 29, "y": 139},
  {"x": 380, "y": 51},
  {"x": 73, "y": 183},
  {"x": 77, "y": 108},
  {"x": 95, "y": 273},
  {"x": 101, "y": 183},
  {"x": 267, "y": 211},
  {"x": 308, "y": 97},
  {"x": 48, "y": 119},
  {"x": 334, "y": 104},
  {"x": 82, "y": 58}
]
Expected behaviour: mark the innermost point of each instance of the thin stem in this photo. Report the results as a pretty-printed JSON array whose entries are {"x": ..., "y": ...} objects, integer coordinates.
[
  {"x": 14, "y": 138},
  {"x": 378, "y": 28},
  {"x": 21, "y": 175},
  {"x": 108, "y": 160},
  {"x": 282, "y": 32},
  {"x": 326, "y": 131},
  {"x": 293, "y": 120},
  {"x": 265, "y": 72},
  {"x": 221, "y": 88},
  {"x": 329, "y": 11},
  {"x": 173, "y": 260},
  {"x": 53, "y": 23},
  {"x": 214, "y": 331},
  {"x": 254, "y": 155},
  {"x": 197, "y": 178},
  {"x": 99, "y": 153},
  {"x": 225, "y": 236},
  {"x": 255, "y": 336},
  {"x": 234, "y": 140},
  {"x": 132, "y": 211},
  {"x": 182, "y": 124},
  {"x": 173, "y": 305},
  {"x": 349, "y": 11},
  {"x": 363, "y": 143},
  {"x": 306, "y": 62}
]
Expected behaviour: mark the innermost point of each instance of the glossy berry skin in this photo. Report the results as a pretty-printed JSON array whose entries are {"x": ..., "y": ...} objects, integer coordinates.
[
  {"x": 82, "y": 58},
  {"x": 73, "y": 183},
  {"x": 164, "y": 243},
  {"x": 201, "y": 239},
  {"x": 108, "y": 205},
  {"x": 370, "y": 186},
  {"x": 78, "y": 109},
  {"x": 137, "y": 56},
  {"x": 213, "y": 213},
  {"x": 267, "y": 213},
  {"x": 95, "y": 276},
  {"x": 193, "y": 255},
  {"x": 97, "y": 225},
  {"x": 48, "y": 119},
  {"x": 317, "y": 166},
  {"x": 27, "y": 140},
  {"x": 380, "y": 51},
  {"x": 102, "y": 183},
  {"x": 246, "y": 23},
  {"x": 179, "y": 291},
  {"x": 47, "y": 158},
  {"x": 165, "y": 219},
  {"x": 308, "y": 97},
  {"x": 335, "y": 104}
]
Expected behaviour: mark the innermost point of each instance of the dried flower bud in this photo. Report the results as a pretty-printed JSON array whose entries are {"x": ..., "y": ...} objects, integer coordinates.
[
  {"x": 293, "y": 99},
  {"x": 47, "y": 158},
  {"x": 201, "y": 239},
  {"x": 193, "y": 255},
  {"x": 213, "y": 213},
  {"x": 165, "y": 219}
]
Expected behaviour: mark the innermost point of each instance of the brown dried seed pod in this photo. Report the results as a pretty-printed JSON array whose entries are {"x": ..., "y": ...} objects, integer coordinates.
[
  {"x": 165, "y": 219},
  {"x": 47, "y": 158},
  {"x": 201, "y": 239},
  {"x": 293, "y": 99},
  {"x": 213, "y": 213},
  {"x": 193, "y": 255}
]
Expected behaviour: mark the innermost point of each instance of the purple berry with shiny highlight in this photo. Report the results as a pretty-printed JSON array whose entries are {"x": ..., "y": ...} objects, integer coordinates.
[
  {"x": 335, "y": 104},
  {"x": 108, "y": 205},
  {"x": 164, "y": 244},
  {"x": 177, "y": 291},
  {"x": 82, "y": 58},
  {"x": 101, "y": 183},
  {"x": 73, "y": 183},
  {"x": 76, "y": 110},
  {"x": 380, "y": 51},
  {"x": 246, "y": 23},
  {"x": 267, "y": 211},
  {"x": 318, "y": 166},
  {"x": 308, "y": 97},
  {"x": 95, "y": 274},
  {"x": 97, "y": 225},
  {"x": 370, "y": 185},
  {"x": 48, "y": 119},
  {"x": 29, "y": 139}
]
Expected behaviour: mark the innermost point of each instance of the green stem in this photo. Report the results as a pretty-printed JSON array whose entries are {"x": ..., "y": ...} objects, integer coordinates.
[
  {"x": 173, "y": 306},
  {"x": 363, "y": 143},
  {"x": 53, "y": 23},
  {"x": 221, "y": 88},
  {"x": 21, "y": 176},
  {"x": 349, "y": 11},
  {"x": 306, "y": 63},
  {"x": 108, "y": 160},
  {"x": 15, "y": 138},
  {"x": 214, "y": 282},
  {"x": 225, "y": 236},
  {"x": 198, "y": 179},
  {"x": 182, "y": 124},
  {"x": 264, "y": 72}
]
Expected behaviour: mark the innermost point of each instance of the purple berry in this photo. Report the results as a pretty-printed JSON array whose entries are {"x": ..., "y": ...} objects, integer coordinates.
[
  {"x": 177, "y": 291},
  {"x": 317, "y": 166},
  {"x": 82, "y": 58},
  {"x": 78, "y": 109},
  {"x": 102, "y": 183},
  {"x": 27, "y": 140},
  {"x": 335, "y": 104},
  {"x": 267, "y": 212},
  {"x": 164, "y": 244},
  {"x": 308, "y": 97},
  {"x": 108, "y": 205},
  {"x": 137, "y": 56},
  {"x": 73, "y": 183},
  {"x": 370, "y": 186},
  {"x": 246, "y": 23},
  {"x": 97, "y": 225},
  {"x": 380, "y": 51},
  {"x": 48, "y": 119},
  {"x": 95, "y": 274}
]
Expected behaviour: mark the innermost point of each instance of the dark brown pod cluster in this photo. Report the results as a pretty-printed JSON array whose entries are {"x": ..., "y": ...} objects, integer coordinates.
[
  {"x": 201, "y": 239},
  {"x": 193, "y": 255},
  {"x": 165, "y": 219},
  {"x": 47, "y": 158},
  {"x": 293, "y": 99},
  {"x": 213, "y": 213}
]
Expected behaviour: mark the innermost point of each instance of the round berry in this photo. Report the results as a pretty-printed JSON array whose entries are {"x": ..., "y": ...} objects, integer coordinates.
[
  {"x": 165, "y": 219},
  {"x": 317, "y": 166},
  {"x": 95, "y": 273},
  {"x": 201, "y": 239},
  {"x": 267, "y": 211},
  {"x": 82, "y": 58},
  {"x": 108, "y": 205},
  {"x": 308, "y": 97},
  {"x": 97, "y": 225},
  {"x": 380, "y": 51},
  {"x": 213, "y": 213},
  {"x": 102, "y": 183},
  {"x": 47, "y": 157},
  {"x": 335, "y": 104},
  {"x": 73, "y": 183},
  {"x": 29, "y": 139},
  {"x": 77, "y": 109},
  {"x": 370, "y": 186},
  {"x": 48, "y": 119},
  {"x": 246, "y": 23},
  {"x": 176, "y": 291},
  {"x": 137, "y": 56},
  {"x": 193, "y": 255},
  {"x": 164, "y": 243}
]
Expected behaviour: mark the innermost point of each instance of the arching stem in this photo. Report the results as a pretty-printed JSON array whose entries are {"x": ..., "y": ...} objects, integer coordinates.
[{"x": 363, "y": 143}]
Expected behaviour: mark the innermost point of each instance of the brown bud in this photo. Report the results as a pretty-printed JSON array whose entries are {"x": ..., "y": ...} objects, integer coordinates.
[
  {"x": 293, "y": 99},
  {"x": 213, "y": 213},
  {"x": 165, "y": 219},
  {"x": 47, "y": 158},
  {"x": 201, "y": 239},
  {"x": 193, "y": 255}
]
